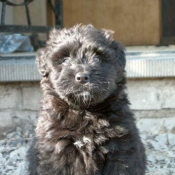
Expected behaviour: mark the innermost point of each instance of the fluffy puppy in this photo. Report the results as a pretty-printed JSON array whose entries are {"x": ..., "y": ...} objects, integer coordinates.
[{"x": 85, "y": 126}]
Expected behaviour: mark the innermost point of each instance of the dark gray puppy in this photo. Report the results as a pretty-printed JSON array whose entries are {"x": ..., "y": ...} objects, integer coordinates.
[{"x": 85, "y": 126}]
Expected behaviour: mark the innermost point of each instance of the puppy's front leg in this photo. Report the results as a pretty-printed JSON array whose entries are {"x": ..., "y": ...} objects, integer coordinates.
[
  {"x": 117, "y": 168},
  {"x": 127, "y": 165}
]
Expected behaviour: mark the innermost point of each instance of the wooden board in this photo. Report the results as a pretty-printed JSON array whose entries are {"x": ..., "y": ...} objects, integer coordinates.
[{"x": 135, "y": 22}]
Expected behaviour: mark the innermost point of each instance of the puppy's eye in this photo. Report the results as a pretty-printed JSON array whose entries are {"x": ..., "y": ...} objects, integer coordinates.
[
  {"x": 61, "y": 61},
  {"x": 100, "y": 53},
  {"x": 65, "y": 60}
]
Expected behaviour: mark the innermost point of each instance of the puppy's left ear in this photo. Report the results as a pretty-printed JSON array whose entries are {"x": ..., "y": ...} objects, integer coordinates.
[
  {"x": 118, "y": 47},
  {"x": 120, "y": 52},
  {"x": 108, "y": 33}
]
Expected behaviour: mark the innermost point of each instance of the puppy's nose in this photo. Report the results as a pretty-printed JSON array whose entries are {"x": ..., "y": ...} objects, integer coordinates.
[{"x": 81, "y": 77}]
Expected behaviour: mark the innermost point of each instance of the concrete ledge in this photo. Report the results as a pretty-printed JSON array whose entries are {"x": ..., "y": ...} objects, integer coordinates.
[
  {"x": 142, "y": 62},
  {"x": 150, "y": 62}
]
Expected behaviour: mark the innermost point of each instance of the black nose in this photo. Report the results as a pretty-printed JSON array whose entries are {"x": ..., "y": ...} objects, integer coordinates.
[{"x": 81, "y": 77}]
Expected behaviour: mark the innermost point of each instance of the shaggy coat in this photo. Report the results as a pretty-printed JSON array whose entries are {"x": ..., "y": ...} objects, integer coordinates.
[{"x": 85, "y": 126}]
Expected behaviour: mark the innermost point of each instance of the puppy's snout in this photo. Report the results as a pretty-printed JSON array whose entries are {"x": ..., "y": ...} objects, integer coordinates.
[{"x": 81, "y": 77}]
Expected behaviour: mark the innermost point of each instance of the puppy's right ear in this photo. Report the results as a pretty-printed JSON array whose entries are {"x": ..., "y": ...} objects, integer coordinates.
[{"x": 41, "y": 62}]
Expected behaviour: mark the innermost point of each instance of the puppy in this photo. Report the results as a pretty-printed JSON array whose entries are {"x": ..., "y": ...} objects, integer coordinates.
[{"x": 85, "y": 126}]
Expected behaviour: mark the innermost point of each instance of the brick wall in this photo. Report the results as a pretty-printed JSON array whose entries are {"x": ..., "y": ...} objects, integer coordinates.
[
  {"x": 19, "y": 103},
  {"x": 150, "y": 99}
]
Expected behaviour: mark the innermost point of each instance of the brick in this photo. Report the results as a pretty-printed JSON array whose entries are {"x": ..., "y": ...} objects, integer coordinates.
[
  {"x": 31, "y": 98},
  {"x": 10, "y": 96},
  {"x": 156, "y": 125},
  {"x": 167, "y": 95},
  {"x": 143, "y": 96}
]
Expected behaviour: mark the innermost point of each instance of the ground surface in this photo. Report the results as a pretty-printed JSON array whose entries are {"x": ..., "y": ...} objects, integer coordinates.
[{"x": 160, "y": 150}]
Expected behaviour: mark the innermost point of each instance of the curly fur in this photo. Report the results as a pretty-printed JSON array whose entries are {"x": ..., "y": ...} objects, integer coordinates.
[{"x": 85, "y": 128}]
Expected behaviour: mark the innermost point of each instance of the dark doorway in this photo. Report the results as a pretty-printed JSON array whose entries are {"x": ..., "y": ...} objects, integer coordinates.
[{"x": 168, "y": 22}]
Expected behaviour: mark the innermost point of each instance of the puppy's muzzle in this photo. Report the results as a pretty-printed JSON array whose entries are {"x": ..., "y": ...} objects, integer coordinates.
[{"x": 82, "y": 77}]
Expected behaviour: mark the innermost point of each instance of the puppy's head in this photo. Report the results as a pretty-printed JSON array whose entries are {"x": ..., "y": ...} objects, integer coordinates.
[{"x": 82, "y": 64}]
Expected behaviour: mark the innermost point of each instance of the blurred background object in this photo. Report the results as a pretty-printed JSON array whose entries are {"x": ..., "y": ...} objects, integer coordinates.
[{"x": 15, "y": 28}]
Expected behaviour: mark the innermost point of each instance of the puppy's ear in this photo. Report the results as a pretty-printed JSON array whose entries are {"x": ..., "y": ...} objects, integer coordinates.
[
  {"x": 41, "y": 62},
  {"x": 119, "y": 50},
  {"x": 53, "y": 35},
  {"x": 108, "y": 33}
]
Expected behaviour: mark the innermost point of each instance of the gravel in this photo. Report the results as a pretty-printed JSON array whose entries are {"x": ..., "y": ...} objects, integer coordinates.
[
  {"x": 13, "y": 149},
  {"x": 160, "y": 150}
]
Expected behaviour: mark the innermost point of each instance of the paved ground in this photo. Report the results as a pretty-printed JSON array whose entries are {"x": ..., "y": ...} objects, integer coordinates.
[{"x": 160, "y": 150}]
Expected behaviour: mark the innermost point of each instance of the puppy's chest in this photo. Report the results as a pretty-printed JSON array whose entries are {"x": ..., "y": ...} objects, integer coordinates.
[
  {"x": 89, "y": 133},
  {"x": 78, "y": 140}
]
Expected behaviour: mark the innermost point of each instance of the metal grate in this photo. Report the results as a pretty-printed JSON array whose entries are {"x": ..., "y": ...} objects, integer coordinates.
[
  {"x": 139, "y": 65},
  {"x": 18, "y": 68}
]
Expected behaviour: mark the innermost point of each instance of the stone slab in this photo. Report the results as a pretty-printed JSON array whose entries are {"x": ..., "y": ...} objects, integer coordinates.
[
  {"x": 10, "y": 96},
  {"x": 31, "y": 98},
  {"x": 149, "y": 94}
]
